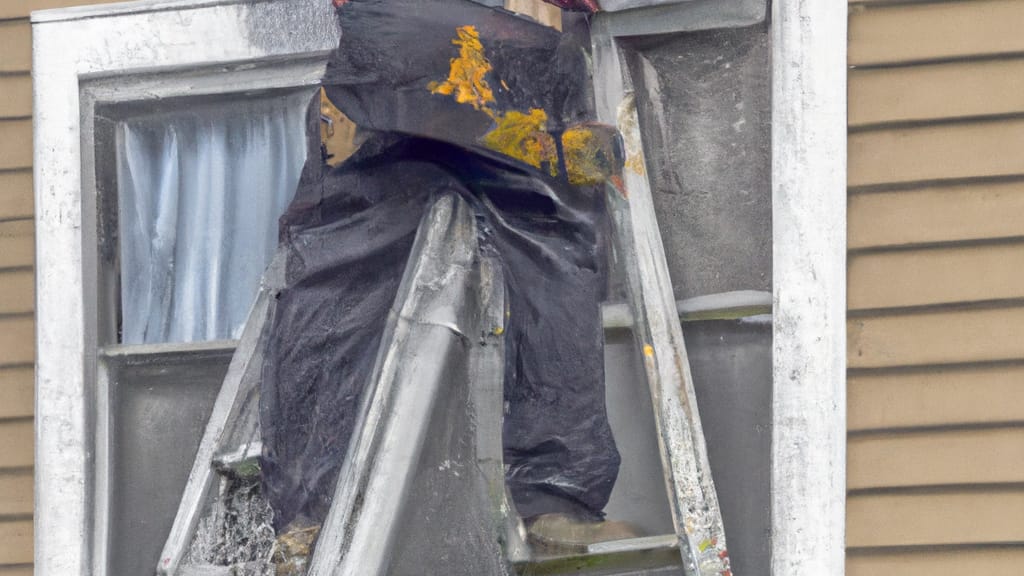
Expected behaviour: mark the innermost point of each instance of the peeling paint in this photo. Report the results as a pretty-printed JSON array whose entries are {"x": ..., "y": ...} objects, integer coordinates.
[
  {"x": 591, "y": 154},
  {"x": 466, "y": 77},
  {"x": 629, "y": 126},
  {"x": 523, "y": 137}
]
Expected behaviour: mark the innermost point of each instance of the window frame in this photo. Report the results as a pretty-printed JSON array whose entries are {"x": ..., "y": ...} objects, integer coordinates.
[{"x": 91, "y": 55}]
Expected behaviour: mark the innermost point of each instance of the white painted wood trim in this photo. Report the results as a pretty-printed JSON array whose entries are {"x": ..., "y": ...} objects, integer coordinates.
[{"x": 809, "y": 275}]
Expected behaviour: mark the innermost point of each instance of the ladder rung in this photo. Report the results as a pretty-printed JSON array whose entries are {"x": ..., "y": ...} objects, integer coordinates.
[
  {"x": 722, "y": 306},
  {"x": 651, "y": 555},
  {"x": 244, "y": 461},
  {"x": 670, "y": 541}
]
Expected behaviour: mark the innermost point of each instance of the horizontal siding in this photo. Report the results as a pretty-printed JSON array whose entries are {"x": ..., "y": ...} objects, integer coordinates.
[
  {"x": 17, "y": 340},
  {"x": 16, "y": 195},
  {"x": 16, "y": 442},
  {"x": 17, "y": 334},
  {"x": 977, "y": 561},
  {"x": 16, "y": 144},
  {"x": 936, "y": 458},
  {"x": 937, "y": 92},
  {"x": 942, "y": 30},
  {"x": 17, "y": 95},
  {"x": 936, "y": 518},
  {"x": 17, "y": 287},
  {"x": 936, "y": 152},
  {"x": 936, "y": 276},
  {"x": 16, "y": 392},
  {"x": 16, "y": 542},
  {"x": 17, "y": 244},
  {"x": 15, "y": 46},
  {"x": 936, "y": 337},
  {"x": 935, "y": 396},
  {"x": 16, "y": 493},
  {"x": 935, "y": 284},
  {"x": 983, "y": 211}
]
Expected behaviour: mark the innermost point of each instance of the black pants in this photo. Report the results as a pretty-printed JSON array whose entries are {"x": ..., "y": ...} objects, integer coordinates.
[{"x": 348, "y": 235}]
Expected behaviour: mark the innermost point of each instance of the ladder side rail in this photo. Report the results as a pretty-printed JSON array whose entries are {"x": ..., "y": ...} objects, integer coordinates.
[
  {"x": 427, "y": 327},
  {"x": 238, "y": 382},
  {"x": 695, "y": 510}
]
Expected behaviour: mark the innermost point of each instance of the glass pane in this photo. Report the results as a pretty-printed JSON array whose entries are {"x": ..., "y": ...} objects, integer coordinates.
[
  {"x": 200, "y": 192},
  {"x": 704, "y": 108},
  {"x": 159, "y": 408},
  {"x": 731, "y": 363}
]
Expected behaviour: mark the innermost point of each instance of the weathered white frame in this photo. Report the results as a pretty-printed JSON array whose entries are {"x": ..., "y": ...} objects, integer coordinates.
[{"x": 71, "y": 46}]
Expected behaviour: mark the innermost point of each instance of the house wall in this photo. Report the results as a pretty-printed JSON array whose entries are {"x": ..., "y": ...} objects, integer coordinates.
[
  {"x": 936, "y": 287},
  {"x": 936, "y": 281}
]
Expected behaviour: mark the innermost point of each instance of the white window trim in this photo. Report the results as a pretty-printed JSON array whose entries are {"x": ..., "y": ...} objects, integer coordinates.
[{"x": 74, "y": 46}]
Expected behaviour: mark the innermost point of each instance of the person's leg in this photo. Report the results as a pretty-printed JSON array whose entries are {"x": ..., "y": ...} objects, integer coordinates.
[
  {"x": 347, "y": 236},
  {"x": 559, "y": 452}
]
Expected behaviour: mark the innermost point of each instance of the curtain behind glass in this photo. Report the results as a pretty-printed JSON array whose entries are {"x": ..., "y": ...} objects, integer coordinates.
[{"x": 200, "y": 193}]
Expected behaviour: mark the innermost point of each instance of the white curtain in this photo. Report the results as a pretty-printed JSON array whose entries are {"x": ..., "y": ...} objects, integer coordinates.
[{"x": 200, "y": 194}]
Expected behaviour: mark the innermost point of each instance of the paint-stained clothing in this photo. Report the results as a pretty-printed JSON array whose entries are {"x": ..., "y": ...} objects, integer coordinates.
[{"x": 349, "y": 232}]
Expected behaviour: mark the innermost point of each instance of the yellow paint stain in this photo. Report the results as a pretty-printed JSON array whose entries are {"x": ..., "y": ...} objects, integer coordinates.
[
  {"x": 337, "y": 132},
  {"x": 466, "y": 73},
  {"x": 635, "y": 164},
  {"x": 708, "y": 543},
  {"x": 648, "y": 350},
  {"x": 499, "y": 331},
  {"x": 629, "y": 127},
  {"x": 523, "y": 137},
  {"x": 580, "y": 147},
  {"x": 591, "y": 155}
]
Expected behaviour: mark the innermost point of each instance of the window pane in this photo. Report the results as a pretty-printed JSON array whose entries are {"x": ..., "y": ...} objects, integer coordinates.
[
  {"x": 704, "y": 107},
  {"x": 200, "y": 192}
]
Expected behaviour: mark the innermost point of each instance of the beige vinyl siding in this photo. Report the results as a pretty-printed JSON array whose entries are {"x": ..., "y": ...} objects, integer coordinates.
[
  {"x": 15, "y": 192},
  {"x": 16, "y": 542},
  {"x": 936, "y": 214},
  {"x": 952, "y": 517},
  {"x": 15, "y": 46},
  {"x": 971, "y": 561},
  {"x": 17, "y": 242},
  {"x": 17, "y": 91},
  {"x": 17, "y": 394},
  {"x": 939, "y": 275},
  {"x": 15, "y": 148},
  {"x": 910, "y": 32},
  {"x": 17, "y": 327},
  {"x": 939, "y": 92},
  {"x": 17, "y": 254},
  {"x": 936, "y": 288},
  {"x": 936, "y": 396}
]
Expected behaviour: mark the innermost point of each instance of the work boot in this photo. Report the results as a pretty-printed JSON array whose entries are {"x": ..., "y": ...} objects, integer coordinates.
[
  {"x": 292, "y": 550},
  {"x": 563, "y": 533}
]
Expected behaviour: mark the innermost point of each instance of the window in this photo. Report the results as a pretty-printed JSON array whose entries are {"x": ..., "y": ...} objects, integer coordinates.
[
  {"x": 200, "y": 188},
  {"x": 192, "y": 188}
]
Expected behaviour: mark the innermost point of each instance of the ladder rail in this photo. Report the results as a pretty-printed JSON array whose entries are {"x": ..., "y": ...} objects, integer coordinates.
[
  {"x": 695, "y": 509},
  {"x": 238, "y": 385}
]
